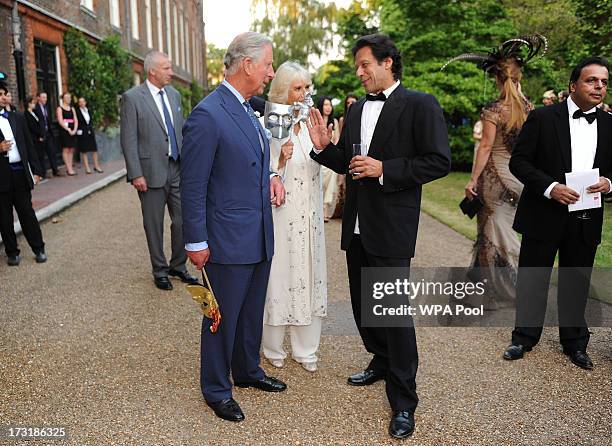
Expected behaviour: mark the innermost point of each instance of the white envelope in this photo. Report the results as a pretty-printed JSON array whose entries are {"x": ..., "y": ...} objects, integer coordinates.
[{"x": 579, "y": 181}]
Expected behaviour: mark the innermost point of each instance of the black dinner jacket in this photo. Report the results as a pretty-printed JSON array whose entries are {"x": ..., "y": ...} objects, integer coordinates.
[
  {"x": 35, "y": 127},
  {"x": 411, "y": 140},
  {"x": 542, "y": 155},
  {"x": 87, "y": 128},
  {"x": 26, "y": 151}
]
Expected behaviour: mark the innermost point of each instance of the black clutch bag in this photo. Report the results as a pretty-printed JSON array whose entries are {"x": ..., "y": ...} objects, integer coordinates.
[{"x": 471, "y": 207}]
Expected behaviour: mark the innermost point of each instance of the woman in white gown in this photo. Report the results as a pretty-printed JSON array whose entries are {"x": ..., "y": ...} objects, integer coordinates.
[{"x": 297, "y": 290}]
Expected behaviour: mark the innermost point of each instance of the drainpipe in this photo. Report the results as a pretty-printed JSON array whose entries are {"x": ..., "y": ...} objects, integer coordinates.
[{"x": 18, "y": 54}]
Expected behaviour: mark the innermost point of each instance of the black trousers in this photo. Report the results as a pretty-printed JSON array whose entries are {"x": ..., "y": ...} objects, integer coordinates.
[
  {"x": 576, "y": 259},
  {"x": 395, "y": 348},
  {"x": 19, "y": 196},
  {"x": 48, "y": 147}
]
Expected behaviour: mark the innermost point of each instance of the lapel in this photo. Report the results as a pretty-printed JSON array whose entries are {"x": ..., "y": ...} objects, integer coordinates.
[
  {"x": 236, "y": 110},
  {"x": 148, "y": 98},
  {"x": 355, "y": 124},
  {"x": 561, "y": 124},
  {"x": 387, "y": 120},
  {"x": 603, "y": 138}
]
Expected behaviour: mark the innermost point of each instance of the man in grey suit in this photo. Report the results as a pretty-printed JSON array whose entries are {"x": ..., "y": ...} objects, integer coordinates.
[{"x": 151, "y": 139}]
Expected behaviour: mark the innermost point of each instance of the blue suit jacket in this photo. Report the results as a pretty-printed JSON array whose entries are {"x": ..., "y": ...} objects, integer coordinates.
[{"x": 225, "y": 182}]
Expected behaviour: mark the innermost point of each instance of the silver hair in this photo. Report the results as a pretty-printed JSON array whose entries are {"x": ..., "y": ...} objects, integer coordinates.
[
  {"x": 287, "y": 73},
  {"x": 152, "y": 59},
  {"x": 249, "y": 44}
]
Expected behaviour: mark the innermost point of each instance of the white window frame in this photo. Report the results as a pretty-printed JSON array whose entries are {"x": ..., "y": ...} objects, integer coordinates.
[
  {"x": 169, "y": 30},
  {"x": 134, "y": 19},
  {"x": 182, "y": 38},
  {"x": 113, "y": 13},
  {"x": 160, "y": 34},
  {"x": 177, "y": 57},
  {"x": 147, "y": 5},
  {"x": 87, "y": 4}
]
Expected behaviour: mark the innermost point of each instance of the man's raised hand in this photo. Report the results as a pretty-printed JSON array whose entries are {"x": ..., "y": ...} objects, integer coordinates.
[{"x": 320, "y": 135}]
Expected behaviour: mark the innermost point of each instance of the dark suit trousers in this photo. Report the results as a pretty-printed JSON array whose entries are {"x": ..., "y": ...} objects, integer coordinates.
[
  {"x": 20, "y": 197},
  {"x": 48, "y": 147},
  {"x": 394, "y": 349},
  {"x": 153, "y": 205},
  {"x": 575, "y": 261},
  {"x": 241, "y": 293}
]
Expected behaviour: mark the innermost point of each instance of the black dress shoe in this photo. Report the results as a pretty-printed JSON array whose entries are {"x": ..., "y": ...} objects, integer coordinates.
[
  {"x": 227, "y": 409},
  {"x": 183, "y": 275},
  {"x": 402, "y": 424},
  {"x": 13, "y": 260},
  {"x": 581, "y": 359},
  {"x": 515, "y": 351},
  {"x": 365, "y": 378},
  {"x": 41, "y": 257},
  {"x": 163, "y": 283},
  {"x": 267, "y": 384}
]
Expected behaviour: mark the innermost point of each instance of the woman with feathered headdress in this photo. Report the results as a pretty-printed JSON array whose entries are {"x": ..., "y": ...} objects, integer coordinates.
[{"x": 497, "y": 245}]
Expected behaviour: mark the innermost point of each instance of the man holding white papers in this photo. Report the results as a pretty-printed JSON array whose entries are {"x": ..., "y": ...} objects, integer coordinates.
[{"x": 556, "y": 143}]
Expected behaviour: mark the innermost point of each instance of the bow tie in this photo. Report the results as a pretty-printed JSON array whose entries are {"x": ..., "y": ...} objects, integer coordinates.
[
  {"x": 4, "y": 114},
  {"x": 590, "y": 117},
  {"x": 376, "y": 97}
]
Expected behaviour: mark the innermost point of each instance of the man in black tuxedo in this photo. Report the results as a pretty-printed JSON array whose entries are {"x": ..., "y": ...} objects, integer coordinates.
[
  {"x": 48, "y": 143},
  {"x": 17, "y": 164},
  {"x": 571, "y": 136},
  {"x": 408, "y": 147}
]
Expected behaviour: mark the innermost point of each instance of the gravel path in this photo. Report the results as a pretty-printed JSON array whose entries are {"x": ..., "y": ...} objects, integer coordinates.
[{"x": 88, "y": 342}]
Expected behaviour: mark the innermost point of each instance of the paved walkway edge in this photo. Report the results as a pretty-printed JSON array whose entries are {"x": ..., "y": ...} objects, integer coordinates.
[{"x": 67, "y": 201}]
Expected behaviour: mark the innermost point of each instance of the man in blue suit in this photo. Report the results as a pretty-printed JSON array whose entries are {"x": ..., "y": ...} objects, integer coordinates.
[{"x": 227, "y": 193}]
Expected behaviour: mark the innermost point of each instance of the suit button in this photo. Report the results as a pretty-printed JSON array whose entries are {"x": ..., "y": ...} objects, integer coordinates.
[{"x": 253, "y": 164}]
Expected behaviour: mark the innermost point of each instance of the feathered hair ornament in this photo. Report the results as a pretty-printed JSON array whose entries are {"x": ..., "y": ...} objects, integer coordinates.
[{"x": 510, "y": 49}]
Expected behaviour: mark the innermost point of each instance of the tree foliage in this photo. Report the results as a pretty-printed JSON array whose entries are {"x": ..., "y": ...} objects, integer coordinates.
[
  {"x": 99, "y": 73},
  {"x": 299, "y": 28},
  {"x": 214, "y": 65}
]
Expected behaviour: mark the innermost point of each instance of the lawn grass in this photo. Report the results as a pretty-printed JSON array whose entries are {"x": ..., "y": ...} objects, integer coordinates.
[{"x": 442, "y": 197}]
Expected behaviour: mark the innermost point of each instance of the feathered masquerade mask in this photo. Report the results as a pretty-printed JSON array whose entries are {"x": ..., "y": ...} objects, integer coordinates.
[{"x": 510, "y": 49}]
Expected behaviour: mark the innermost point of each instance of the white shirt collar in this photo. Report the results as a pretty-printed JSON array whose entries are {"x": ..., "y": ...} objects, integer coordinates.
[
  {"x": 153, "y": 89},
  {"x": 235, "y": 92},
  {"x": 391, "y": 89},
  {"x": 572, "y": 107}
]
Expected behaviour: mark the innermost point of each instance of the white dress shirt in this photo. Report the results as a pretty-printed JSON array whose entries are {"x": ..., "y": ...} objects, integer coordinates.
[
  {"x": 583, "y": 142},
  {"x": 157, "y": 98},
  {"x": 85, "y": 114},
  {"x": 369, "y": 119},
  {"x": 7, "y": 131}
]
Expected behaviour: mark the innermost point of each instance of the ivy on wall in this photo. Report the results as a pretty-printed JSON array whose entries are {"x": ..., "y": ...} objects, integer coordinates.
[{"x": 99, "y": 73}]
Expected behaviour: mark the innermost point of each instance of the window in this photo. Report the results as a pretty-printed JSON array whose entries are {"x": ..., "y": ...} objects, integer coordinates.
[
  {"x": 113, "y": 10},
  {"x": 182, "y": 38},
  {"x": 48, "y": 79},
  {"x": 189, "y": 60},
  {"x": 134, "y": 17},
  {"x": 88, "y": 4},
  {"x": 160, "y": 35},
  {"x": 149, "y": 27},
  {"x": 136, "y": 79},
  {"x": 176, "y": 44},
  {"x": 168, "y": 33}
]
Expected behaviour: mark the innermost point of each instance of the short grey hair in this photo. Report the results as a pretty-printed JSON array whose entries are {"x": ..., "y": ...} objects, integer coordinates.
[
  {"x": 249, "y": 44},
  {"x": 152, "y": 59},
  {"x": 285, "y": 75}
]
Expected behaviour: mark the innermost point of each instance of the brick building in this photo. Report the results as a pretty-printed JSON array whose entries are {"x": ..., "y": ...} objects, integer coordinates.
[{"x": 33, "y": 54}]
